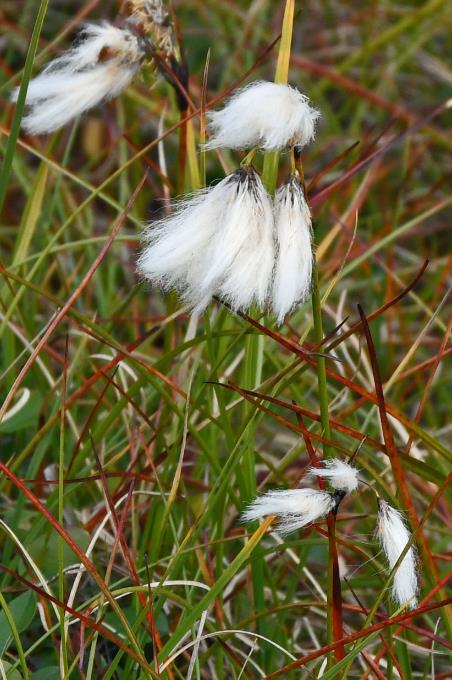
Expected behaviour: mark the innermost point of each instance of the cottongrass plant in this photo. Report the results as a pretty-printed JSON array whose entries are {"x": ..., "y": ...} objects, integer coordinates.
[
  {"x": 102, "y": 63},
  {"x": 157, "y": 428},
  {"x": 265, "y": 115},
  {"x": 296, "y": 508},
  {"x": 393, "y": 536},
  {"x": 217, "y": 242},
  {"x": 155, "y": 20}
]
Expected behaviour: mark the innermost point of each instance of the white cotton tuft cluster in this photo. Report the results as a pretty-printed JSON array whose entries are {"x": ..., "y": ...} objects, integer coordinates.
[
  {"x": 217, "y": 242},
  {"x": 394, "y": 536},
  {"x": 293, "y": 267},
  {"x": 229, "y": 242},
  {"x": 296, "y": 508},
  {"x": 341, "y": 475},
  {"x": 265, "y": 115},
  {"x": 99, "y": 67}
]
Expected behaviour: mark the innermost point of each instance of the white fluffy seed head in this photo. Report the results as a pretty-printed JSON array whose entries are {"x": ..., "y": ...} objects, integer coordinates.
[
  {"x": 174, "y": 244},
  {"x": 295, "y": 508},
  {"x": 99, "y": 67},
  {"x": 239, "y": 260},
  {"x": 393, "y": 536},
  {"x": 293, "y": 268},
  {"x": 218, "y": 242},
  {"x": 341, "y": 475},
  {"x": 263, "y": 114}
]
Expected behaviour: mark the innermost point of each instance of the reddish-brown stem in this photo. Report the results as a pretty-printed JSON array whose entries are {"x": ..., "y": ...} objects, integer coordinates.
[
  {"x": 72, "y": 299},
  {"x": 355, "y": 636},
  {"x": 335, "y": 603},
  {"x": 78, "y": 615},
  {"x": 391, "y": 448},
  {"x": 88, "y": 564}
]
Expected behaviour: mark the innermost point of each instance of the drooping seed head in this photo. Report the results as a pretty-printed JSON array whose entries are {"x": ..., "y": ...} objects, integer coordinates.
[
  {"x": 294, "y": 258},
  {"x": 100, "y": 65},
  {"x": 217, "y": 242},
  {"x": 295, "y": 508},
  {"x": 393, "y": 536}
]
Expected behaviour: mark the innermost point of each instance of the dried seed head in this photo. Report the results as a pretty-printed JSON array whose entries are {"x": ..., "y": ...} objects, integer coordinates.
[{"x": 157, "y": 25}]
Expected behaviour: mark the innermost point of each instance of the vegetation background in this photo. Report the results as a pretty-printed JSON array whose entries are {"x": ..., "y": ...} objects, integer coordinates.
[{"x": 128, "y": 445}]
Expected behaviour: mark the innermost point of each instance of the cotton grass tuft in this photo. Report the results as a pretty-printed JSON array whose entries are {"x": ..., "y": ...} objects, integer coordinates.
[
  {"x": 393, "y": 536},
  {"x": 218, "y": 241},
  {"x": 295, "y": 508},
  {"x": 99, "y": 67},
  {"x": 341, "y": 475},
  {"x": 294, "y": 259},
  {"x": 265, "y": 115}
]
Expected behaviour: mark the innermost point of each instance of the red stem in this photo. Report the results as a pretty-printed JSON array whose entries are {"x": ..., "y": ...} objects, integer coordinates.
[{"x": 335, "y": 604}]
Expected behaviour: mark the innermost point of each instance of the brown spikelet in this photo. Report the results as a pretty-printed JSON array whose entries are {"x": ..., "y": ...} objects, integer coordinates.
[{"x": 154, "y": 19}]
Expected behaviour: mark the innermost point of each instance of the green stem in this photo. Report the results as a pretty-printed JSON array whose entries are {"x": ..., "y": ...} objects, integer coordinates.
[
  {"x": 254, "y": 352},
  {"x": 252, "y": 376},
  {"x": 321, "y": 368},
  {"x": 326, "y": 432},
  {"x": 20, "y": 105},
  {"x": 270, "y": 167},
  {"x": 270, "y": 171},
  {"x": 61, "y": 543}
]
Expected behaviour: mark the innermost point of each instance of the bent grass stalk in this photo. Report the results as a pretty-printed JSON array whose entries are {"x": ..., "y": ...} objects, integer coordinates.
[{"x": 60, "y": 544}]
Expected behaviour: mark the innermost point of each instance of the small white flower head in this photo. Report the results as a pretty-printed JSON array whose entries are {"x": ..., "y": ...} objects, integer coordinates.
[
  {"x": 341, "y": 475},
  {"x": 99, "y": 66},
  {"x": 293, "y": 269},
  {"x": 393, "y": 536},
  {"x": 218, "y": 242},
  {"x": 295, "y": 508},
  {"x": 263, "y": 114}
]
